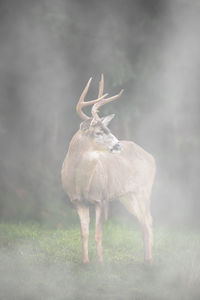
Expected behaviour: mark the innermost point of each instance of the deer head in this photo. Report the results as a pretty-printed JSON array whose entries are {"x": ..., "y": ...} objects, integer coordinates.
[{"x": 96, "y": 128}]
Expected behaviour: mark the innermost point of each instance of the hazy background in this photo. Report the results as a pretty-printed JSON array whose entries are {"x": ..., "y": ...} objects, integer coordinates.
[{"x": 48, "y": 51}]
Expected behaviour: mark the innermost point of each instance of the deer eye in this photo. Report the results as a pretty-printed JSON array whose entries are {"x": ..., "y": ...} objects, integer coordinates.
[{"x": 98, "y": 133}]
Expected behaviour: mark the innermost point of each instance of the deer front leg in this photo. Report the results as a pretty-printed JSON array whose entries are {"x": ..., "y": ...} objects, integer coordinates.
[
  {"x": 99, "y": 231},
  {"x": 84, "y": 216}
]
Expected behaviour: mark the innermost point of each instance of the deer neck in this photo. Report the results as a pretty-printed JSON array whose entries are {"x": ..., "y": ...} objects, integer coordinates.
[{"x": 81, "y": 147}]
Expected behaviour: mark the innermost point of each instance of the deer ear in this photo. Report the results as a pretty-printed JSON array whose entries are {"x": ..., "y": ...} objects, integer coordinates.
[
  {"x": 85, "y": 125},
  {"x": 106, "y": 120}
]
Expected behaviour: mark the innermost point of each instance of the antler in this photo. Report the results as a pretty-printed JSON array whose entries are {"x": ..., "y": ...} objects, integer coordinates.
[
  {"x": 102, "y": 101},
  {"x": 81, "y": 103}
]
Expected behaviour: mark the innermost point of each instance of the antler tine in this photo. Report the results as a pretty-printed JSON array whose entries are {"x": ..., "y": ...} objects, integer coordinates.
[
  {"x": 81, "y": 103},
  {"x": 101, "y": 86},
  {"x": 103, "y": 102}
]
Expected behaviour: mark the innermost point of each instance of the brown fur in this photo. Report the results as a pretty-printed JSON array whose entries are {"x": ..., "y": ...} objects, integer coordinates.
[
  {"x": 97, "y": 170},
  {"x": 101, "y": 176}
]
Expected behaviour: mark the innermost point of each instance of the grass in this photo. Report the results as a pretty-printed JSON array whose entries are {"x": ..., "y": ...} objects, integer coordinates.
[{"x": 41, "y": 263}]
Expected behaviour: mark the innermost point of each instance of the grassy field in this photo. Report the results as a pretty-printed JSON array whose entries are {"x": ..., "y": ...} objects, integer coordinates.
[{"x": 41, "y": 263}]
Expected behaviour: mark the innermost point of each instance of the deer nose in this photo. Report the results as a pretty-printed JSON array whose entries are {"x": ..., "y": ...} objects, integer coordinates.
[{"x": 117, "y": 147}]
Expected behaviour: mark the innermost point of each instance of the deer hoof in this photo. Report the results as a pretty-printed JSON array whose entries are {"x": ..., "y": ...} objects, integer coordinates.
[
  {"x": 148, "y": 262},
  {"x": 85, "y": 261}
]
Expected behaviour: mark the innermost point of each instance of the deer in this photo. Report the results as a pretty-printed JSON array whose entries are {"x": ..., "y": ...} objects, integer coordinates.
[{"x": 98, "y": 169}]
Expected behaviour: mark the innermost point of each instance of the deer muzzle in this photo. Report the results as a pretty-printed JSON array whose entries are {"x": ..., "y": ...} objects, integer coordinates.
[{"x": 116, "y": 148}]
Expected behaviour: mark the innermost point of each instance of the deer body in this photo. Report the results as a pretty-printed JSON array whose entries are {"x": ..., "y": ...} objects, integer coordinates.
[
  {"x": 98, "y": 168},
  {"x": 94, "y": 175}
]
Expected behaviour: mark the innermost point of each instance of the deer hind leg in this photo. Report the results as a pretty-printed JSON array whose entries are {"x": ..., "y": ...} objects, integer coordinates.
[
  {"x": 99, "y": 230},
  {"x": 138, "y": 207},
  {"x": 146, "y": 224},
  {"x": 84, "y": 216}
]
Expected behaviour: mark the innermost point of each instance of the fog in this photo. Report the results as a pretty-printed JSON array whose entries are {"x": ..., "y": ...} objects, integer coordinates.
[{"x": 49, "y": 50}]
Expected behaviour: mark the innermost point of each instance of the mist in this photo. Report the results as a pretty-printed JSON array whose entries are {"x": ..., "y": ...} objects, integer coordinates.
[{"x": 48, "y": 51}]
